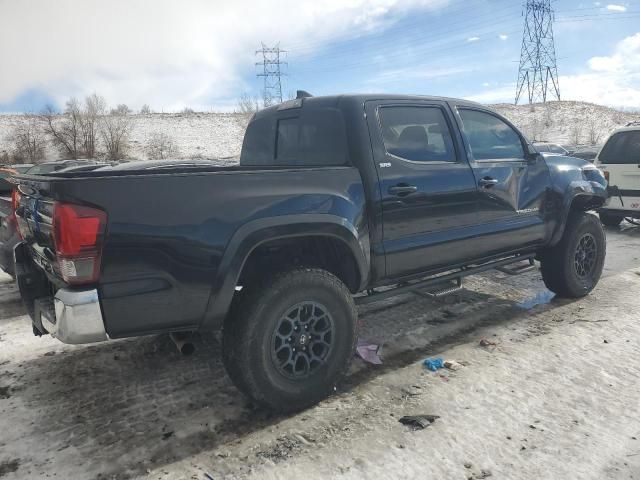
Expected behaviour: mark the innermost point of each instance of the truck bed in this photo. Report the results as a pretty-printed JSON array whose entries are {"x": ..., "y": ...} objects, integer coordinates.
[{"x": 168, "y": 229}]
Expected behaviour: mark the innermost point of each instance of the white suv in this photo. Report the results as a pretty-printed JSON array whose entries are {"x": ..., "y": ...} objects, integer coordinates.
[{"x": 619, "y": 159}]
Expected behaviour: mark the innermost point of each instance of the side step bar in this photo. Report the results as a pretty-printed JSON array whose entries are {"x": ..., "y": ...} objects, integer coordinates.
[
  {"x": 457, "y": 276},
  {"x": 517, "y": 269},
  {"x": 443, "y": 289}
]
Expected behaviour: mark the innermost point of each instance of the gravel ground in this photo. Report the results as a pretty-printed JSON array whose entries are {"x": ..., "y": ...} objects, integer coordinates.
[{"x": 555, "y": 397}]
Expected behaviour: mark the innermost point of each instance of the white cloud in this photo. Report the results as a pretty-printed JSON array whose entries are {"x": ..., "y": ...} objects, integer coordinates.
[
  {"x": 612, "y": 80},
  {"x": 616, "y": 8},
  {"x": 503, "y": 36},
  {"x": 166, "y": 53},
  {"x": 392, "y": 76},
  {"x": 473, "y": 39}
]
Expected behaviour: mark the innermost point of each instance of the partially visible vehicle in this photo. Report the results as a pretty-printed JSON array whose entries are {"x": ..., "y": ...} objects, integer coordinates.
[
  {"x": 9, "y": 237},
  {"x": 21, "y": 167},
  {"x": 7, "y": 171},
  {"x": 549, "y": 148},
  {"x": 51, "y": 167},
  {"x": 589, "y": 154},
  {"x": 619, "y": 159}
]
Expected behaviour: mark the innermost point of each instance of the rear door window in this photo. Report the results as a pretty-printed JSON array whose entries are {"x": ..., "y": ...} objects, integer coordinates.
[
  {"x": 418, "y": 134},
  {"x": 621, "y": 148}
]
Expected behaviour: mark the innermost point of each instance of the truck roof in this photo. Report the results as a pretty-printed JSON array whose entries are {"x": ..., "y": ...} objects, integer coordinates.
[{"x": 357, "y": 98}]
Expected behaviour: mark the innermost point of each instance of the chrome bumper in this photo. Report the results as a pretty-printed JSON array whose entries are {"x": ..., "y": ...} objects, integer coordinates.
[{"x": 77, "y": 318}]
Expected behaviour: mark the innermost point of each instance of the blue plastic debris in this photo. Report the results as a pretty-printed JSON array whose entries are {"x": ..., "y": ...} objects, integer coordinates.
[{"x": 434, "y": 364}]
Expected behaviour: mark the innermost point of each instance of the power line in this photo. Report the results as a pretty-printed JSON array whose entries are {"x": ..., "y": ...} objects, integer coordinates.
[
  {"x": 538, "y": 69},
  {"x": 272, "y": 73}
]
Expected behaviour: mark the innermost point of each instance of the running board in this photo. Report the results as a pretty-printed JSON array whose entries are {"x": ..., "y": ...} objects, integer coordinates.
[
  {"x": 518, "y": 269},
  {"x": 456, "y": 276}
]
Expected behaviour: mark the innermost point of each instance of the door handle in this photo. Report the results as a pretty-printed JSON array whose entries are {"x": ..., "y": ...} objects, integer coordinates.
[
  {"x": 402, "y": 190},
  {"x": 487, "y": 182}
]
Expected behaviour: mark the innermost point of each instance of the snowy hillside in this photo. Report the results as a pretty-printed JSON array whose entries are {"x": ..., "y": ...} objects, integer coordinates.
[
  {"x": 200, "y": 135},
  {"x": 567, "y": 123},
  {"x": 219, "y": 135}
]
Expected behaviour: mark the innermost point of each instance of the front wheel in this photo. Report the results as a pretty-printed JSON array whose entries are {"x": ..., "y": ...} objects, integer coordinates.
[
  {"x": 573, "y": 267},
  {"x": 289, "y": 340}
]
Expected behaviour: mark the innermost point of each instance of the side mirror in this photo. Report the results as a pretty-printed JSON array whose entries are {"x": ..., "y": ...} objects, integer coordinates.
[{"x": 532, "y": 154}]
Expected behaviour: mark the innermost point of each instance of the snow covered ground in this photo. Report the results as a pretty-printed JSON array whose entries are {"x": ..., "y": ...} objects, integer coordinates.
[
  {"x": 554, "y": 395},
  {"x": 216, "y": 135}
]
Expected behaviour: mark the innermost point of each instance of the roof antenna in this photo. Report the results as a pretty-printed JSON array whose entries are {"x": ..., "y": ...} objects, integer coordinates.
[{"x": 303, "y": 94}]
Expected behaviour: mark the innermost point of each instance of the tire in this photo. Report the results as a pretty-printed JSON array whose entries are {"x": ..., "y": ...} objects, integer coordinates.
[
  {"x": 573, "y": 267},
  {"x": 610, "y": 219},
  {"x": 281, "y": 368}
]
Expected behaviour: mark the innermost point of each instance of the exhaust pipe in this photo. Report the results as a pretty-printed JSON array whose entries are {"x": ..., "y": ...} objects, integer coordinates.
[{"x": 183, "y": 342}]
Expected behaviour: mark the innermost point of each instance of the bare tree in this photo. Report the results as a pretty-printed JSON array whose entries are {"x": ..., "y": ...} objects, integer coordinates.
[
  {"x": 64, "y": 129},
  {"x": 247, "y": 104},
  {"x": 188, "y": 111},
  {"x": 145, "y": 109},
  {"x": 115, "y": 130},
  {"x": 74, "y": 131},
  {"x": 160, "y": 146},
  {"x": 94, "y": 108},
  {"x": 28, "y": 140},
  {"x": 593, "y": 131},
  {"x": 121, "y": 109},
  {"x": 576, "y": 133}
]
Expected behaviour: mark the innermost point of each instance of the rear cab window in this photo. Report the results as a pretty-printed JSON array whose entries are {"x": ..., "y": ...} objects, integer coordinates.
[
  {"x": 296, "y": 137},
  {"x": 621, "y": 148}
]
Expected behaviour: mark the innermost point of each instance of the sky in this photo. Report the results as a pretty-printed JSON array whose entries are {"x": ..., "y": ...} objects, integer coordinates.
[{"x": 201, "y": 54}]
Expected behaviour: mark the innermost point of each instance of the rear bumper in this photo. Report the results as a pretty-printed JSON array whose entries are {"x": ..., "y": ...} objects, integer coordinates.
[{"x": 71, "y": 316}]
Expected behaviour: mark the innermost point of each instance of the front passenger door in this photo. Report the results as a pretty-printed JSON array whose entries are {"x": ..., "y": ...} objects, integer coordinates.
[{"x": 511, "y": 185}]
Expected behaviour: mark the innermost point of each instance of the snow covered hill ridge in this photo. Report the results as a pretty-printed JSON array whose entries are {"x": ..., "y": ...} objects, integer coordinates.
[
  {"x": 567, "y": 122},
  {"x": 219, "y": 135}
]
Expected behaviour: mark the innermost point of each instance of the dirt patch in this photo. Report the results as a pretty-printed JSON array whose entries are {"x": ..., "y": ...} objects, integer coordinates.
[
  {"x": 4, "y": 392},
  {"x": 9, "y": 466}
]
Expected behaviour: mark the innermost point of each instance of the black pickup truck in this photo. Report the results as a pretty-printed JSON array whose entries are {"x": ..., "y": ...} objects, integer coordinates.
[{"x": 334, "y": 199}]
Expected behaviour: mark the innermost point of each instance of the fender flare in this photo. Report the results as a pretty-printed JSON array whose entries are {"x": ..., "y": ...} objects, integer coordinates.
[
  {"x": 577, "y": 189},
  {"x": 254, "y": 233}
]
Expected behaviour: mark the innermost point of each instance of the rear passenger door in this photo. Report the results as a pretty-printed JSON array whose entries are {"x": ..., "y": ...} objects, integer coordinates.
[{"x": 427, "y": 189}]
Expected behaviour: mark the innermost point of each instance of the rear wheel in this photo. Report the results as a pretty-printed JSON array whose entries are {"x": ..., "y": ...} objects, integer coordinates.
[
  {"x": 289, "y": 340},
  {"x": 610, "y": 219},
  {"x": 573, "y": 267}
]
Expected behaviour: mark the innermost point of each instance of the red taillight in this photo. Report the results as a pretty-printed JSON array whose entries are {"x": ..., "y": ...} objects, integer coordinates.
[
  {"x": 11, "y": 219},
  {"x": 78, "y": 233},
  {"x": 15, "y": 199}
]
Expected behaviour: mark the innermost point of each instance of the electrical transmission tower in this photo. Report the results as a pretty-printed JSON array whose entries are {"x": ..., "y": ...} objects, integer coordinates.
[
  {"x": 272, "y": 74},
  {"x": 538, "y": 71}
]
